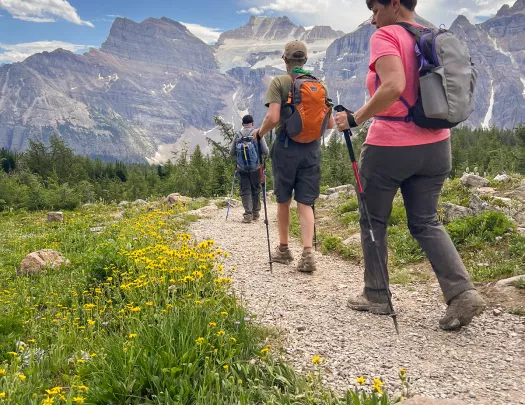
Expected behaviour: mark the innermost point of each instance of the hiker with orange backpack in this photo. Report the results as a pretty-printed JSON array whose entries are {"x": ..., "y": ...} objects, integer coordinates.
[{"x": 300, "y": 111}]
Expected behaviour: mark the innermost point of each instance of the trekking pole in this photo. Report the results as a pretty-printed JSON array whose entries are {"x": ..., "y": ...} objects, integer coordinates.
[
  {"x": 348, "y": 134},
  {"x": 263, "y": 182},
  {"x": 231, "y": 194}
]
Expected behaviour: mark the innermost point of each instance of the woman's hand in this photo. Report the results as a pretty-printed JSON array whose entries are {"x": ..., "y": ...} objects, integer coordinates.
[
  {"x": 341, "y": 120},
  {"x": 345, "y": 120}
]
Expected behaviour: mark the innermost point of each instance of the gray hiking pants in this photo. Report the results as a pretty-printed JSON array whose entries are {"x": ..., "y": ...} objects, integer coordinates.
[
  {"x": 250, "y": 186},
  {"x": 419, "y": 171}
]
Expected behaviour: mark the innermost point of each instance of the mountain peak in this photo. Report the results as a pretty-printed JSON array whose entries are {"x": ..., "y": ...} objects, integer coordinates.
[
  {"x": 159, "y": 41},
  {"x": 518, "y": 6}
]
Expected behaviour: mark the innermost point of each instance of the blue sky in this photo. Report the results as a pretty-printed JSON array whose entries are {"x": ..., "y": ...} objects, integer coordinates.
[{"x": 29, "y": 26}]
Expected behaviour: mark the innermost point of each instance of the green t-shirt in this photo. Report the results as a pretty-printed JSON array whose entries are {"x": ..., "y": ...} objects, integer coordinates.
[{"x": 278, "y": 94}]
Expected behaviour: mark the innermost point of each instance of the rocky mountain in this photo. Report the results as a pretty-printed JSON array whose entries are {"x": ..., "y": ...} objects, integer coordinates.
[
  {"x": 260, "y": 43},
  {"x": 154, "y": 87},
  {"x": 151, "y": 85}
]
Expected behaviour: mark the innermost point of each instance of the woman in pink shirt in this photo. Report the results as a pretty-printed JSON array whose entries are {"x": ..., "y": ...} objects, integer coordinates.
[{"x": 400, "y": 155}]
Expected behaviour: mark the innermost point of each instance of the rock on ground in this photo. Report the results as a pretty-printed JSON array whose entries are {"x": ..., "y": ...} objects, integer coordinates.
[
  {"x": 485, "y": 359},
  {"x": 472, "y": 180},
  {"x": 55, "y": 217},
  {"x": 35, "y": 262},
  {"x": 509, "y": 281},
  {"x": 176, "y": 198}
]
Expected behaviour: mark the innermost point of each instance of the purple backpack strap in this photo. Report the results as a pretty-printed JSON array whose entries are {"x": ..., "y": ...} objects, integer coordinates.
[{"x": 408, "y": 118}]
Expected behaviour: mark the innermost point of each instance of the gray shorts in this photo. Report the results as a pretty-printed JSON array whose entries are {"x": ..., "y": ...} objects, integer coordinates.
[{"x": 296, "y": 169}]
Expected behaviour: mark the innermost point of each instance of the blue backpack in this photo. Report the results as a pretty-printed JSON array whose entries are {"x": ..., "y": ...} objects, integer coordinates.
[{"x": 247, "y": 156}]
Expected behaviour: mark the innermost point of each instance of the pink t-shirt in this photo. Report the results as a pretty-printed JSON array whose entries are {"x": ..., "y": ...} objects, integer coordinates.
[{"x": 395, "y": 40}]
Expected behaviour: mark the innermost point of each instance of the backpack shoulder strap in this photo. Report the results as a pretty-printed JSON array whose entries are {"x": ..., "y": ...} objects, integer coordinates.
[{"x": 415, "y": 31}]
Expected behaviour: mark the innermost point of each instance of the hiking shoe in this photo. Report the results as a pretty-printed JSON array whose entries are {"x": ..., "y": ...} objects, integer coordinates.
[
  {"x": 462, "y": 309},
  {"x": 247, "y": 219},
  {"x": 307, "y": 262},
  {"x": 282, "y": 256},
  {"x": 256, "y": 216},
  {"x": 361, "y": 303}
]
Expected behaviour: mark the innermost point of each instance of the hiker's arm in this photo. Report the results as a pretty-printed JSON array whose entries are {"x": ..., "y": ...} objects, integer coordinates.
[
  {"x": 331, "y": 123},
  {"x": 233, "y": 146},
  {"x": 393, "y": 82},
  {"x": 270, "y": 121}
]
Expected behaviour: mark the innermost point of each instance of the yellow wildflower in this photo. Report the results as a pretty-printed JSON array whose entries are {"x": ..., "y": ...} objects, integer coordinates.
[
  {"x": 361, "y": 380},
  {"x": 2, "y": 394},
  {"x": 317, "y": 360},
  {"x": 225, "y": 367},
  {"x": 224, "y": 314},
  {"x": 199, "y": 341},
  {"x": 2, "y": 372},
  {"x": 31, "y": 340},
  {"x": 54, "y": 391},
  {"x": 13, "y": 354},
  {"x": 135, "y": 309},
  {"x": 132, "y": 336},
  {"x": 149, "y": 303},
  {"x": 83, "y": 388},
  {"x": 403, "y": 371},
  {"x": 21, "y": 377},
  {"x": 221, "y": 333},
  {"x": 233, "y": 340},
  {"x": 265, "y": 350},
  {"x": 89, "y": 306},
  {"x": 212, "y": 324},
  {"x": 91, "y": 322},
  {"x": 78, "y": 400},
  {"x": 377, "y": 381},
  {"x": 48, "y": 401}
]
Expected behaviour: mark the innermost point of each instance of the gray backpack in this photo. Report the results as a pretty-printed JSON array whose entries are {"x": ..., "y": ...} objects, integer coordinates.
[{"x": 447, "y": 80}]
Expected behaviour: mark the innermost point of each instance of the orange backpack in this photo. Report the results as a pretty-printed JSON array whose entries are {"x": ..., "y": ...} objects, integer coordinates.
[{"x": 308, "y": 109}]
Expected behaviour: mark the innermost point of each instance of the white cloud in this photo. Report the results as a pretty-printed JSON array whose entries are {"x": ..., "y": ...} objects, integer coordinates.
[
  {"x": 252, "y": 11},
  {"x": 207, "y": 34},
  {"x": 346, "y": 15},
  {"x": 19, "y": 52},
  {"x": 43, "y": 11}
]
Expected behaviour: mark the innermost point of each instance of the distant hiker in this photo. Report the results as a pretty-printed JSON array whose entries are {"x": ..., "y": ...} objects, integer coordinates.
[
  {"x": 296, "y": 153},
  {"x": 398, "y": 154},
  {"x": 244, "y": 148}
]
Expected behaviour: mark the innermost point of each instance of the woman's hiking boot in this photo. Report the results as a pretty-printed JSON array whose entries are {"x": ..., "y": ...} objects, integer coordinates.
[
  {"x": 247, "y": 218},
  {"x": 307, "y": 262},
  {"x": 282, "y": 255},
  {"x": 361, "y": 303},
  {"x": 462, "y": 309}
]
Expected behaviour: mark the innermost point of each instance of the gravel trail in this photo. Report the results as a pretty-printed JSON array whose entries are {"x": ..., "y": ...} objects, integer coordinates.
[{"x": 483, "y": 364}]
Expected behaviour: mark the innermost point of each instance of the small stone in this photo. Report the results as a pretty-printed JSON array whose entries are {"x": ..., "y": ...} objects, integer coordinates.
[
  {"x": 473, "y": 180},
  {"x": 497, "y": 312},
  {"x": 471, "y": 394},
  {"x": 502, "y": 178},
  {"x": 96, "y": 229},
  {"x": 301, "y": 328},
  {"x": 509, "y": 281},
  {"x": 55, "y": 217}
]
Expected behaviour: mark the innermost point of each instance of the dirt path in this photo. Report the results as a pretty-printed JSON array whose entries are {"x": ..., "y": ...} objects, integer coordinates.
[{"x": 482, "y": 364}]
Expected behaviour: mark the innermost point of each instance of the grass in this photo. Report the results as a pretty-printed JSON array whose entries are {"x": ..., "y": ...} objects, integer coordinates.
[
  {"x": 488, "y": 244},
  {"x": 143, "y": 315}
]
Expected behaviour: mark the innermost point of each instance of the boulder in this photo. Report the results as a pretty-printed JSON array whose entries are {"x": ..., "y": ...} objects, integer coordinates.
[
  {"x": 234, "y": 203},
  {"x": 139, "y": 202},
  {"x": 176, "y": 198},
  {"x": 417, "y": 400},
  {"x": 473, "y": 180},
  {"x": 352, "y": 240},
  {"x": 451, "y": 212},
  {"x": 502, "y": 178},
  {"x": 117, "y": 215},
  {"x": 123, "y": 203},
  {"x": 324, "y": 197},
  {"x": 208, "y": 210},
  {"x": 348, "y": 188},
  {"x": 35, "y": 262},
  {"x": 55, "y": 217},
  {"x": 518, "y": 192}
]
